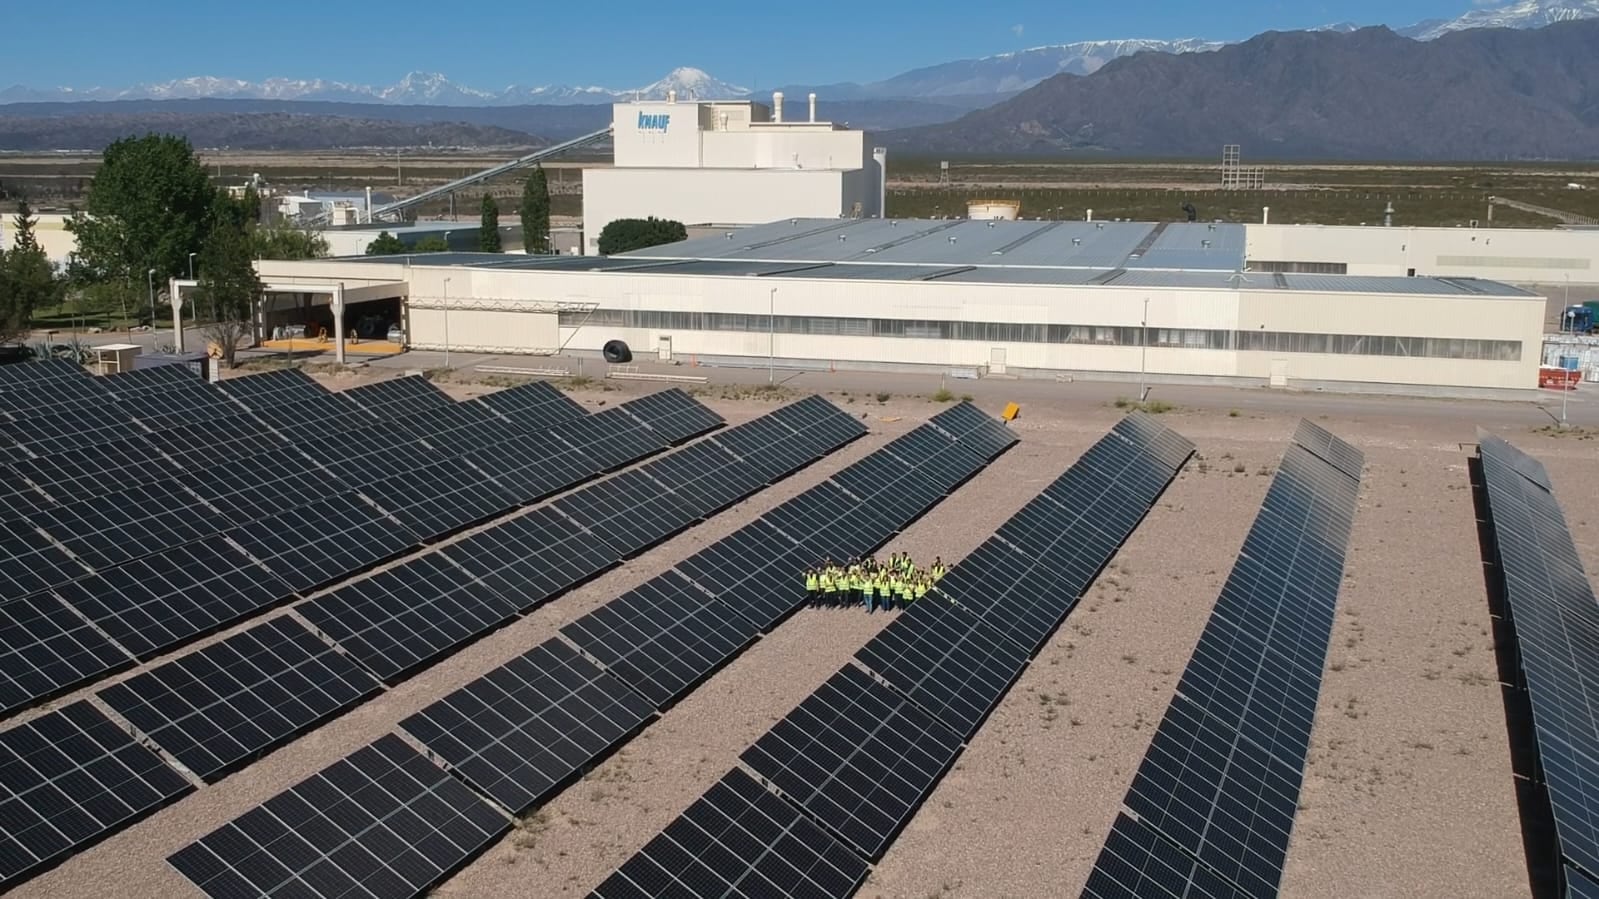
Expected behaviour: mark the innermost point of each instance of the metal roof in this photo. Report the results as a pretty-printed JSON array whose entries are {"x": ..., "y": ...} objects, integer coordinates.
[{"x": 1194, "y": 246}]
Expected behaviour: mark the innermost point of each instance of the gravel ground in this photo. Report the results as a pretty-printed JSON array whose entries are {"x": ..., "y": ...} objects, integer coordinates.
[{"x": 1409, "y": 758}]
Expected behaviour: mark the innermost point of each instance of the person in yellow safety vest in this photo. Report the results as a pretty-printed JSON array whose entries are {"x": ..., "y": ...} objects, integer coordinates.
[
  {"x": 813, "y": 584},
  {"x": 881, "y": 579},
  {"x": 855, "y": 584},
  {"x": 829, "y": 586},
  {"x": 922, "y": 587},
  {"x": 938, "y": 567},
  {"x": 868, "y": 592},
  {"x": 896, "y": 584},
  {"x": 910, "y": 567}
]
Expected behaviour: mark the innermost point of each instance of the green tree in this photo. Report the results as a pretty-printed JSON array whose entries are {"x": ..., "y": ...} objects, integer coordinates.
[
  {"x": 488, "y": 233},
  {"x": 27, "y": 278},
  {"x": 624, "y": 235},
  {"x": 228, "y": 282},
  {"x": 385, "y": 245},
  {"x": 149, "y": 207},
  {"x": 433, "y": 243},
  {"x": 535, "y": 211},
  {"x": 284, "y": 241}
]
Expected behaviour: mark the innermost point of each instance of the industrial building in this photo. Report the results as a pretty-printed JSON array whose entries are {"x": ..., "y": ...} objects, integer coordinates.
[
  {"x": 730, "y": 163},
  {"x": 1513, "y": 255},
  {"x": 1092, "y": 299}
]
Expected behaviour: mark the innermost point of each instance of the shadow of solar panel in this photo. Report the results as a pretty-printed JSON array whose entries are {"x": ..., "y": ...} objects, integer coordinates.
[
  {"x": 440, "y": 499},
  {"x": 155, "y": 602},
  {"x": 382, "y": 821},
  {"x": 705, "y": 477},
  {"x": 323, "y": 541},
  {"x": 45, "y": 648},
  {"x": 1137, "y": 864},
  {"x": 222, "y": 706},
  {"x": 629, "y": 511},
  {"x": 1556, "y": 625},
  {"x": 113, "y": 528},
  {"x": 1332, "y": 450},
  {"x": 674, "y": 415},
  {"x": 857, "y": 757},
  {"x": 399, "y": 397},
  {"x": 738, "y": 840},
  {"x": 245, "y": 489},
  {"x": 406, "y": 616},
  {"x": 524, "y": 729},
  {"x": 611, "y": 438},
  {"x": 531, "y": 471},
  {"x": 536, "y": 404},
  {"x": 68, "y": 779},
  {"x": 662, "y": 638},
  {"x": 272, "y": 388},
  {"x": 532, "y": 557},
  {"x": 1223, "y": 798},
  {"x": 947, "y": 661},
  {"x": 1579, "y": 886}
]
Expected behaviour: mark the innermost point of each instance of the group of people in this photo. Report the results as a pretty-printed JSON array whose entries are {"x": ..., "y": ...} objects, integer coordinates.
[{"x": 890, "y": 585}]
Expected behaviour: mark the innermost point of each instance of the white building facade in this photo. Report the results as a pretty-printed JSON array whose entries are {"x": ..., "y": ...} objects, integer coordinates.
[
  {"x": 1512, "y": 255},
  {"x": 729, "y": 163}
]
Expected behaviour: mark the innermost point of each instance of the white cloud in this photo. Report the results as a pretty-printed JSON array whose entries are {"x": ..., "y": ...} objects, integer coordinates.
[{"x": 1017, "y": 30}]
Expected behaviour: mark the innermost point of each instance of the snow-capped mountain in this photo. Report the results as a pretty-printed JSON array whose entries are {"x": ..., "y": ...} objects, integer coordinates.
[{"x": 1519, "y": 14}]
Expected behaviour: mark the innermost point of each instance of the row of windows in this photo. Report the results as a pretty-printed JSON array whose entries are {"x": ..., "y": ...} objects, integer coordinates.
[
  {"x": 1299, "y": 268},
  {"x": 1096, "y": 335}
]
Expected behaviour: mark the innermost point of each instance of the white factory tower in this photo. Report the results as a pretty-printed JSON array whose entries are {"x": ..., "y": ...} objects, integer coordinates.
[{"x": 730, "y": 163}]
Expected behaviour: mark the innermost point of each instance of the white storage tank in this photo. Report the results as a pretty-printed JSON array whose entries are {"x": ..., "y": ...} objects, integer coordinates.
[{"x": 994, "y": 210}]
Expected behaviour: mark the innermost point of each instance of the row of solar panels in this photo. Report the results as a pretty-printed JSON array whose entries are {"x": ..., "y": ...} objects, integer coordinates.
[
  {"x": 856, "y": 759},
  {"x": 1211, "y": 809},
  {"x": 217, "y": 708},
  {"x": 522, "y": 731},
  {"x": 288, "y": 526},
  {"x": 1556, "y": 624}
]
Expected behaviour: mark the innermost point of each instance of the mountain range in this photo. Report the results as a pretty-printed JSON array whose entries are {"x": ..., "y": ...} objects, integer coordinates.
[
  {"x": 1366, "y": 94},
  {"x": 966, "y": 83}
]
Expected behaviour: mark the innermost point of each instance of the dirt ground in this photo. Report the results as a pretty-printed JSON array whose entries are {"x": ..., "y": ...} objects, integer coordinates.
[{"x": 1408, "y": 789}]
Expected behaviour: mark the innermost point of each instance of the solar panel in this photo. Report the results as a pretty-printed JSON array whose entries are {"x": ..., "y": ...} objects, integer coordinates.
[
  {"x": 112, "y": 528},
  {"x": 857, "y": 757},
  {"x": 1579, "y": 885},
  {"x": 36, "y": 371},
  {"x": 192, "y": 405},
  {"x": 220, "y": 707},
  {"x": 308, "y": 417},
  {"x": 610, "y": 438},
  {"x": 45, "y": 648},
  {"x": 61, "y": 430},
  {"x": 946, "y": 661},
  {"x": 18, "y": 499},
  {"x": 23, "y": 399},
  {"x": 398, "y": 397},
  {"x": 74, "y": 474},
  {"x": 1138, "y": 864},
  {"x": 965, "y": 424},
  {"x": 155, "y": 602},
  {"x": 532, "y": 557},
  {"x": 532, "y": 470},
  {"x": 248, "y": 488},
  {"x": 323, "y": 541},
  {"x": 459, "y": 428},
  {"x": 1332, "y": 450},
  {"x": 1556, "y": 626},
  {"x": 441, "y": 498},
  {"x": 381, "y": 822},
  {"x": 30, "y": 561},
  {"x": 1221, "y": 780},
  {"x": 69, "y": 778},
  {"x": 405, "y": 617},
  {"x": 705, "y": 477},
  {"x": 199, "y": 445},
  {"x": 629, "y": 511},
  {"x": 273, "y": 388},
  {"x": 755, "y": 570},
  {"x": 534, "y": 404},
  {"x": 674, "y": 415},
  {"x": 154, "y": 379},
  {"x": 521, "y": 731},
  {"x": 766, "y": 446},
  {"x": 738, "y": 840},
  {"x": 662, "y": 638}
]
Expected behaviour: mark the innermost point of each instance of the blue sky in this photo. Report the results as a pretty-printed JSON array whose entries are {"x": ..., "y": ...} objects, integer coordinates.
[{"x": 625, "y": 43}]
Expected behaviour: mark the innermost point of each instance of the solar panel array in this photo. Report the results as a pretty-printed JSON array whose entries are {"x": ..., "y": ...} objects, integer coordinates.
[
  {"x": 1556, "y": 624},
  {"x": 1212, "y": 807}
]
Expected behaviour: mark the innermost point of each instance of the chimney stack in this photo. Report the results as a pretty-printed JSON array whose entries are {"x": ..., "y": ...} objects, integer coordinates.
[
  {"x": 813, "y": 107},
  {"x": 777, "y": 106}
]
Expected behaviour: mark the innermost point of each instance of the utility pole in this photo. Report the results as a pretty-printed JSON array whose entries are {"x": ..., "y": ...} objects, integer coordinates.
[
  {"x": 1143, "y": 354},
  {"x": 446, "y": 322},
  {"x": 771, "y": 337},
  {"x": 150, "y": 280}
]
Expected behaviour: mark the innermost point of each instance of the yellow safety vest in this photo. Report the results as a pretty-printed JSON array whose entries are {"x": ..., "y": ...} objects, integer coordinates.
[
  {"x": 827, "y": 583},
  {"x": 921, "y": 591},
  {"x": 811, "y": 582}
]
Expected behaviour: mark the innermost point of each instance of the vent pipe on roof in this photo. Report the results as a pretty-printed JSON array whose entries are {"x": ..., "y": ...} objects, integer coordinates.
[
  {"x": 671, "y": 95},
  {"x": 1265, "y": 215},
  {"x": 1388, "y": 215},
  {"x": 880, "y": 157},
  {"x": 777, "y": 106},
  {"x": 1090, "y": 216},
  {"x": 369, "y": 204},
  {"x": 813, "y": 106}
]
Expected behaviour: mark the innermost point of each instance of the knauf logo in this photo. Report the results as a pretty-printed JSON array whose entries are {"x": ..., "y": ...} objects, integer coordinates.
[{"x": 648, "y": 122}]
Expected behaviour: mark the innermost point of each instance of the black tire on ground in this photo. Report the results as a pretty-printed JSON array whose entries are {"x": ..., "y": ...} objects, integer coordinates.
[{"x": 616, "y": 351}]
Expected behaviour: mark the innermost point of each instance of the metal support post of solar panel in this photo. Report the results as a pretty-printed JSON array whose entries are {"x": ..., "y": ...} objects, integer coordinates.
[
  {"x": 1555, "y": 622},
  {"x": 1211, "y": 810}
]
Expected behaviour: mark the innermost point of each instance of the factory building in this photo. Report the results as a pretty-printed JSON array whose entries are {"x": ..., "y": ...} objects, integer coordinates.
[
  {"x": 1513, "y": 255},
  {"x": 1085, "y": 299},
  {"x": 730, "y": 163}
]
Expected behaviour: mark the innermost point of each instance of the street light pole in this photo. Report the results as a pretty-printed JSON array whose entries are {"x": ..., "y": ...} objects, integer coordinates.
[
  {"x": 771, "y": 337},
  {"x": 446, "y": 322},
  {"x": 191, "y": 265},
  {"x": 150, "y": 280},
  {"x": 1143, "y": 353}
]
